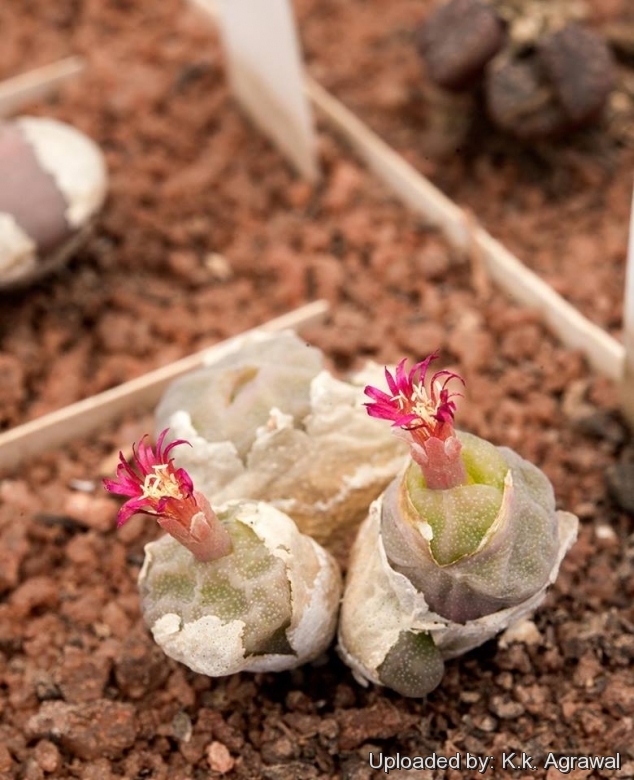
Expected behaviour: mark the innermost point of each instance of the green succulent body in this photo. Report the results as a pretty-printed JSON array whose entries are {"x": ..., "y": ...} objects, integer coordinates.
[
  {"x": 246, "y": 610},
  {"x": 250, "y": 585},
  {"x": 479, "y": 547},
  {"x": 435, "y": 573}
]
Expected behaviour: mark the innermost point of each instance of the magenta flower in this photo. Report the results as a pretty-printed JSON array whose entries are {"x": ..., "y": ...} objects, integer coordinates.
[
  {"x": 412, "y": 405},
  {"x": 424, "y": 410},
  {"x": 153, "y": 484},
  {"x": 157, "y": 488}
]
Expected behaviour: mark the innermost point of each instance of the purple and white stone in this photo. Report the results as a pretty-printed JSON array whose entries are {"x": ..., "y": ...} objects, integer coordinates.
[{"x": 52, "y": 183}]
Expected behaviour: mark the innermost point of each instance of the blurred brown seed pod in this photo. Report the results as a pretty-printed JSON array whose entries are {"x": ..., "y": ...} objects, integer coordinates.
[
  {"x": 458, "y": 40},
  {"x": 520, "y": 100},
  {"x": 580, "y": 67},
  {"x": 559, "y": 86}
]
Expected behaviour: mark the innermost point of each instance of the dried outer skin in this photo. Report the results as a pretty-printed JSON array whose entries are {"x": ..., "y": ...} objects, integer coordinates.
[
  {"x": 230, "y": 400},
  {"x": 268, "y": 606},
  {"x": 457, "y": 41},
  {"x": 380, "y": 605},
  {"x": 309, "y": 446},
  {"x": 580, "y": 66}
]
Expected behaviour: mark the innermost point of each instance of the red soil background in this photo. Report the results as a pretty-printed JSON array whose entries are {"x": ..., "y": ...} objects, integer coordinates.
[{"x": 207, "y": 232}]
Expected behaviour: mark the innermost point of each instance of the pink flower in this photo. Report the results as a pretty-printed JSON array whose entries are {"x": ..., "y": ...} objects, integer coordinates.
[
  {"x": 156, "y": 487},
  {"x": 424, "y": 410}
]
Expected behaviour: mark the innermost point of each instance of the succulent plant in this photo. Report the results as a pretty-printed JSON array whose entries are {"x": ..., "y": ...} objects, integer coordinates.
[
  {"x": 559, "y": 84},
  {"x": 54, "y": 182},
  {"x": 462, "y": 544},
  {"x": 541, "y": 71},
  {"x": 269, "y": 423},
  {"x": 234, "y": 589}
]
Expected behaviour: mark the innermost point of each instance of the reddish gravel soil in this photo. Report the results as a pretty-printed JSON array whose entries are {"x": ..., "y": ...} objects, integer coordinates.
[
  {"x": 561, "y": 207},
  {"x": 206, "y": 233}
]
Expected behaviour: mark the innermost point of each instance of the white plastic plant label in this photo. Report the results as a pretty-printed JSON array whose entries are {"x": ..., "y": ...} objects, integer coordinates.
[{"x": 266, "y": 73}]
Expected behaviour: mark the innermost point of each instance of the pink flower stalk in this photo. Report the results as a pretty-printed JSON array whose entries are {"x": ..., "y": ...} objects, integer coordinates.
[
  {"x": 424, "y": 411},
  {"x": 159, "y": 489}
]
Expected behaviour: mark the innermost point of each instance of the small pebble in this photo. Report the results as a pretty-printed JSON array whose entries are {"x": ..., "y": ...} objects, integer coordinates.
[
  {"x": 47, "y": 755},
  {"x": 96, "y": 512},
  {"x": 36, "y": 593},
  {"x": 140, "y": 667},
  {"x": 182, "y": 726},
  {"x": 524, "y": 632},
  {"x": 585, "y": 510},
  {"x": 485, "y": 723},
  {"x": 6, "y": 762},
  {"x": 219, "y": 758},
  {"x": 82, "y": 676},
  {"x": 605, "y": 533},
  {"x": 89, "y": 730},
  {"x": 506, "y": 708}
]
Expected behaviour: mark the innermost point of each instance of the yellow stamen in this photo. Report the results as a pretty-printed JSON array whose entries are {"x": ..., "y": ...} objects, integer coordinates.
[
  {"x": 161, "y": 483},
  {"x": 426, "y": 409},
  {"x": 419, "y": 404},
  {"x": 401, "y": 399}
]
